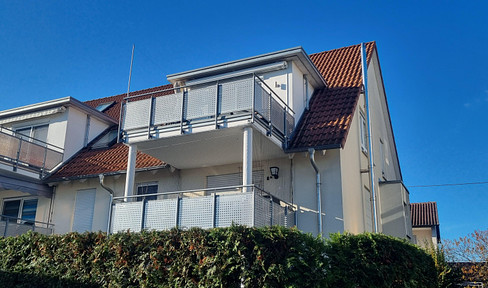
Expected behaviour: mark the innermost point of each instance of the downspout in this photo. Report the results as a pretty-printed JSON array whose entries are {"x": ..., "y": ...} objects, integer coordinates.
[
  {"x": 311, "y": 153},
  {"x": 364, "y": 70},
  {"x": 101, "y": 177}
]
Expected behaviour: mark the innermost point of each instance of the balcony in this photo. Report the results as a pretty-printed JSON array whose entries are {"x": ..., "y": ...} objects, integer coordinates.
[
  {"x": 206, "y": 208},
  {"x": 10, "y": 226},
  {"x": 208, "y": 106},
  {"x": 28, "y": 153}
]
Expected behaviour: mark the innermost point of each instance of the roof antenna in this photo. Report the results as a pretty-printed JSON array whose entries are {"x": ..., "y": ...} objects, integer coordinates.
[{"x": 128, "y": 91}]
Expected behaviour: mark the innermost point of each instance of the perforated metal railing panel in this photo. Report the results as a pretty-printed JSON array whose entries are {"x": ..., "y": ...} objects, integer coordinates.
[
  {"x": 137, "y": 114},
  {"x": 160, "y": 214},
  {"x": 201, "y": 211},
  {"x": 235, "y": 209},
  {"x": 200, "y": 102},
  {"x": 262, "y": 211},
  {"x": 236, "y": 96},
  {"x": 277, "y": 116},
  {"x": 127, "y": 216},
  {"x": 196, "y": 212},
  {"x": 167, "y": 109}
]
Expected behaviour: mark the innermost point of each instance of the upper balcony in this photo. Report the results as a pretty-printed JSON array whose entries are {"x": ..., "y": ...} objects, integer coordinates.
[
  {"x": 26, "y": 153},
  {"x": 208, "y": 106}
]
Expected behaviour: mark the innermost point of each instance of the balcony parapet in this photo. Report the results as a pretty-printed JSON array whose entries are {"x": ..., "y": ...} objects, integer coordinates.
[
  {"x": 213, "y": 105},
  {"x": 11, "y": 226},
  {"x": 28, "y": 153},
  {"x": 204, "y": 208}
]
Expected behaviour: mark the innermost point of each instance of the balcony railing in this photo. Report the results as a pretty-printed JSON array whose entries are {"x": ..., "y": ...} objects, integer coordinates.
[
  {"x": 28, "y": 153},
  {"x": 11, "y": 226},
  {"x": 216, "y": 103},
  {"x": 207, "y": 208}
]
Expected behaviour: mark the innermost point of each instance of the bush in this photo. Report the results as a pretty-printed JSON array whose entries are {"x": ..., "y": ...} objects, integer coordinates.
[
  {"x": 377, "y": 260},
  {"x": 222, "y": 257}
]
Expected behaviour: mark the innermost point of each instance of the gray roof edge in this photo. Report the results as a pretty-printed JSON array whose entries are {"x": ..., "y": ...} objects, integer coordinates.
[
  {"x": 68, "y": 100},
  {"x": 249, "y": 62}
]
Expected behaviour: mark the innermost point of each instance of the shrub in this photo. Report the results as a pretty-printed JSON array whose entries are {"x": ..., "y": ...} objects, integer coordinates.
[
  {"x": 377, "y": 260},
  {"x": 221, "y": 257}
]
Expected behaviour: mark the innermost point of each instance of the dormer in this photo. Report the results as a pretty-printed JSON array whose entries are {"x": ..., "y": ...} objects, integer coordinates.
[{"x": 38, "y": 137}]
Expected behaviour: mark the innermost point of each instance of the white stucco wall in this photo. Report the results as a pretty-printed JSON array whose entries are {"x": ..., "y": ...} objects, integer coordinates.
[{"x": 305, "y": 196}]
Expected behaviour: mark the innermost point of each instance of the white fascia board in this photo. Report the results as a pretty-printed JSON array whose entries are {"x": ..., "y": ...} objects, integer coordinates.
[
  {"x": 56, "y": 103},
  {"x": 297, "y": 54}
]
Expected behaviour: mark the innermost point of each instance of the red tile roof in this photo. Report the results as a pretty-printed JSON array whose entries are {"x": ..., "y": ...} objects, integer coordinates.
[
  {"x": 327, "y": 122},
  {"x": 92, "y": 162},
  {"x": 424, "y": 214}
]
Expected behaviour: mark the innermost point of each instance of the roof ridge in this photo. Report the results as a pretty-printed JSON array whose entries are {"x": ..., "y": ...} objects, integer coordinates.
[
  {"x": 342, "y": 48},
  {"x": 142, "y": 91}
]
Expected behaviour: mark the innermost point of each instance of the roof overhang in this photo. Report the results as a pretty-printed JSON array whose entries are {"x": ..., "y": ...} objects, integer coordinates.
[
  {"x": 297, "y": 55},
  {"x": 52, "y": 106}
]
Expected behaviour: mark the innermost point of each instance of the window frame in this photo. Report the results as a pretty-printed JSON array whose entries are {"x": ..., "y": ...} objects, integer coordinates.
[
  {"x": 363, "y": 132},
  {"x": 20, "y": 212},
  {"x": 146, "y": 185}
]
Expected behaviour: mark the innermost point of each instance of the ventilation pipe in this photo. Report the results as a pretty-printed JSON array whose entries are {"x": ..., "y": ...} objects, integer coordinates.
[
  {"x": 364, "y": 70},
  {"x": 311, "y": 153},
  {"x": 101, "y": 177}
]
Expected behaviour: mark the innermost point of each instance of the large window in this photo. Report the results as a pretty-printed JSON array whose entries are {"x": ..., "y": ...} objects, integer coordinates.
[
  {"x": 234, "y": 179},
  {"x": 37, "y": 134},
  {"x": 20, "y": 208},
  {"x": 147, "y": 188}
]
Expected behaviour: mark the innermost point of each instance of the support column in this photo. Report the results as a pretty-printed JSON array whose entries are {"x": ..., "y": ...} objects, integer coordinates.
[
  {"x": 131, "y": 171},
  {"x": 247, "y": 158}
]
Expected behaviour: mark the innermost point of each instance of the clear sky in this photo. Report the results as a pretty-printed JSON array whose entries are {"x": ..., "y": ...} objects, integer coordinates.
[{"x": 433, "y": 56}]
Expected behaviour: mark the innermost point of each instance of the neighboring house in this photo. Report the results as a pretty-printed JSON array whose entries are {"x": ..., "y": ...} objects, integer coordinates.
[
  {"x": 425, "y": 223},
  {"x": 281, "y": 138},
  {"x": 34, "y": 141}
]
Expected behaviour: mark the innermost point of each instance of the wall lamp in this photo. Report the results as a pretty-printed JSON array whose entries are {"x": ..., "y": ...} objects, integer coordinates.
[{"x": 274, "y": 171}]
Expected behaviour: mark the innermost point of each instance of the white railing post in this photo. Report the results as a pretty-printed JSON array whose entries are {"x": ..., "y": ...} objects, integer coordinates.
[
  {"x": 131, "y": 171},
  {"x": 247, "y": 159}
]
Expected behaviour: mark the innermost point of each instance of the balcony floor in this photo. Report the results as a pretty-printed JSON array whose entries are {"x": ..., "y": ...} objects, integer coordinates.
[{"x": 210, "y": 148}]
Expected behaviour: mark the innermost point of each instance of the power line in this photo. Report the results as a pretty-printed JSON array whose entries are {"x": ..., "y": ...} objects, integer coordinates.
[{"x": 449, "y": 184}]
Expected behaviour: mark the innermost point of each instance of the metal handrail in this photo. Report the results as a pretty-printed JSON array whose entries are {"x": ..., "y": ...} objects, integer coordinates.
[
  {"x": 32, "y": 139},
  {"x": 188, "y": 86},
  {"x": 215, "y": 190},
  {"x": 47, "y": 224},
  {"x": 272, "y": 91}
]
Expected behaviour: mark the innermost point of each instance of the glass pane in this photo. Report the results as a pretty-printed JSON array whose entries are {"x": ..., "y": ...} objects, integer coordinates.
[
  {"x": 24, "y": 132},
  {"x": 40, "y": 133},
  {"x": 147, "y": 189},
  {"x": 11, "y": 209},
  {"x": 29, "y": 210}
]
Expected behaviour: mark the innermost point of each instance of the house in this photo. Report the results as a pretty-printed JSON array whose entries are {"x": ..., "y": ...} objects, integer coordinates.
[
  {"x": 425, "y": 223},
  {"x": 283, "y": 138}
]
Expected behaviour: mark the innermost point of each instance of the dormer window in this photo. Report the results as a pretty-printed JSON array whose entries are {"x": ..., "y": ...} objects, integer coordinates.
[{"x": 104, "y": 106}]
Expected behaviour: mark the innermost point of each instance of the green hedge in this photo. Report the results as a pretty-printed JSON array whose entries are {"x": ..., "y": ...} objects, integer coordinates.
[{"x": 224, "y": 257}]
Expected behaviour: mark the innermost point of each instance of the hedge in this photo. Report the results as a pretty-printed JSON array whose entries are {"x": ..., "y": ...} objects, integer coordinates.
[{"x": 222, "y": 257}]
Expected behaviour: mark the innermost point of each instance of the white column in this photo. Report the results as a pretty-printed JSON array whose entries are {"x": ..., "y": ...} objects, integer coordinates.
[
  {"x": 131, "y": 171},
  {"x": 247, "y": 158}
]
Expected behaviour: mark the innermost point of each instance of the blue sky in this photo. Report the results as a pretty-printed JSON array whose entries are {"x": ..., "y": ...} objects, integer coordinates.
[{"x": 433, "y": 56}]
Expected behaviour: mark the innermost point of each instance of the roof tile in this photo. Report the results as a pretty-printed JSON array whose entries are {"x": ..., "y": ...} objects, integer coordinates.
[
  {"x": 327, "y": 122},
  {"x": 424, "y": 214}
]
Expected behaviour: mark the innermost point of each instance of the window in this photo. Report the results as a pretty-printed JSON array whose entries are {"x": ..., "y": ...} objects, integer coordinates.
[
  {"x": 84, "y": 209},
  {"x": 36, "y": 134},
  {"x": 23, "y": 208},
  {"x": 104, "y": 106},
  {"x": 234, "y": 179},
  {"x": 147, "y": 188},
  {"x": 364, "y": 133}
]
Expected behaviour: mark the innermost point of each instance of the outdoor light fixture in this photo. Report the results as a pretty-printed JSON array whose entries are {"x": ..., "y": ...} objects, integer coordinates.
[{"x": 274, "y": 171}]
